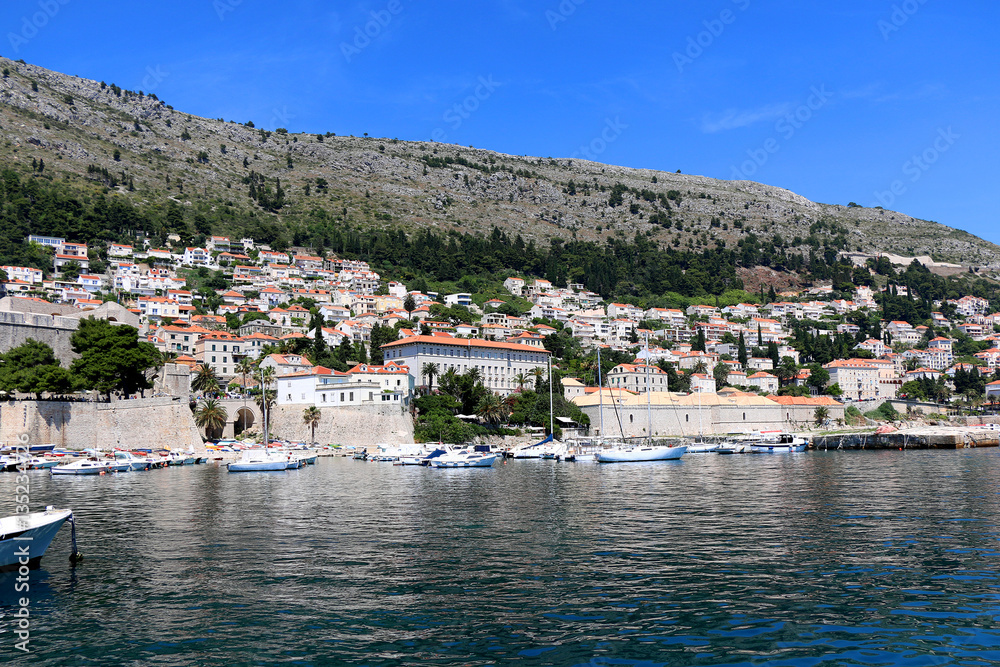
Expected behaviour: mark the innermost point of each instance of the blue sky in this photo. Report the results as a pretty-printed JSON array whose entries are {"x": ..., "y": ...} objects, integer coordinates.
[{"x": 889, "y": 102}]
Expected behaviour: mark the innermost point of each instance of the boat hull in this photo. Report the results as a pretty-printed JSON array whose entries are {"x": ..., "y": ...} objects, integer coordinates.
[
  {"x": 72, "y": 469},
  {"x": 640, "y": 454},
  {"x": 37, "y": 538},
  {"x": 472, "y": 462},
  {"x": 258, "y": 466}
]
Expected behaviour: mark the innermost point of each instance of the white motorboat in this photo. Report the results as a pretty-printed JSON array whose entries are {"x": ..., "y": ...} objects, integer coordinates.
[
  {"x": 465, "y": 458},
  {"x": 702, "y": 447},
  {"x": 425, "y": 457},
  {"x": 25, "y": 537},
  {"x": 83, "y": 467},
  {"x": 119, "y": 466},
  {"x": 779, "y": 443},
  {"x": 259, "y": 460},
  {"x": 636, "y": 453},
  {"x": 133, "y": 461}
]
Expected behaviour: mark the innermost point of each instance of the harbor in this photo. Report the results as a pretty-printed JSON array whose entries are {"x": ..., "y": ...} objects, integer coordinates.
[{"x": 694, "y": 561}]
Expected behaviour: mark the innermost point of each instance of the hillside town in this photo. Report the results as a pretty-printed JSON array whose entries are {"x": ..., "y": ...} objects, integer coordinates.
[{"x": 217, "y": 308}]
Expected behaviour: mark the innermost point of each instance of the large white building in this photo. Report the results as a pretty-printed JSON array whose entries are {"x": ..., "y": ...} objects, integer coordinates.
[{"x": 498, "y": 363}]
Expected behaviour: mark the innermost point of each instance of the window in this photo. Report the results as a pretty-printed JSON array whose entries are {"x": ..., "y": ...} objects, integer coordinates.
[
  {"x": 352, "y": 397},
  {"x": 213, "y": 360},
  {"x": 213, "y": 347},
  {"x": 341, "y": 397}
]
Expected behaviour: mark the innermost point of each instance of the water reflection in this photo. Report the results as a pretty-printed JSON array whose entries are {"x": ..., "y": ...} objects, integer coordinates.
[{"x": 836, "y": 557}]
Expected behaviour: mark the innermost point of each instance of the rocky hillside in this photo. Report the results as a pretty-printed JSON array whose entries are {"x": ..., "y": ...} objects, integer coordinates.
[{"x": 154, "y": 153}]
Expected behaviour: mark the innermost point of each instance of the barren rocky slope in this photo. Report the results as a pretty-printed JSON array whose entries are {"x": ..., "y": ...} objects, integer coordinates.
[{"x": 73, "y": 123}]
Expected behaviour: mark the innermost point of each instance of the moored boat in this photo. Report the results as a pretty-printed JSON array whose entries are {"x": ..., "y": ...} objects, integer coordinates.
[
  {"x": 259, "y": 460},
  {"x": 82, "y": 467},
  {"x": 464, "y": 458},
  {"x": 639, "y": 453},
  {"x": 780, "y": 443},
  {"x": 25, "y": 537}
]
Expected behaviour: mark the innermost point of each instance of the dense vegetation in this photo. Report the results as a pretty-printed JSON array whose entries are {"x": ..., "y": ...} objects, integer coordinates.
[{"x": 636, "y": 270}]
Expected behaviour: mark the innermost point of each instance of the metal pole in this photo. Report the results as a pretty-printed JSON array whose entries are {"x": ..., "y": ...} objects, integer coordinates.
[
  {"x": 552, "y": 419},
  {"x": 649, "y": 409},
  {"x": 600, "y": 389}
]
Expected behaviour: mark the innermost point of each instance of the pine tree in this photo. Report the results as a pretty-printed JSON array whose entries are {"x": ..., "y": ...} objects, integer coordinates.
[{"x": 741, "y": 353}]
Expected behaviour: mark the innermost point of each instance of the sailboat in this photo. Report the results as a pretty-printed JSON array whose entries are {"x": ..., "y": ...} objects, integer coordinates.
[
  {"x": 261, "y": 460},
  {"x": 643, "y": 451},
  {"x": 699, "y": 446}
]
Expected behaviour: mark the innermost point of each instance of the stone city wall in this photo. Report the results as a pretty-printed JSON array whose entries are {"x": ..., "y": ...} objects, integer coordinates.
[
  {"x": 147, "y": 423},
  {"x": 711, "y": 420},
  {"x": 358, "y": 426}
]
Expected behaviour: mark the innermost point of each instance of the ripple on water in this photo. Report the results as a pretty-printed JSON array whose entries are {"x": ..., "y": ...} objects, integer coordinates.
[{"x": 772, "y": 560}]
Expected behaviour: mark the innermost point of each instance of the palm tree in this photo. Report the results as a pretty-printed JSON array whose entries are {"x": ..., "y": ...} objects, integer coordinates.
[
  {"x": 430, "y": 369},
  {"x": 245, "y": 368},
  {"x": 211, "y": 416},
  {"x": 492, "y": 408},
  {"x": 205, "y": 380},
  {"x": 821, "y": 414},
  {"x": 521, "y": 379},
  {"x": 311, "y": 417},
  {"x": 539, "y": 373}
]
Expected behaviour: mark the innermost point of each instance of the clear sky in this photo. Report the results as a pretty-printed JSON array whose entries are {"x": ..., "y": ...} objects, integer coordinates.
[{"x": 890, "y": 102}]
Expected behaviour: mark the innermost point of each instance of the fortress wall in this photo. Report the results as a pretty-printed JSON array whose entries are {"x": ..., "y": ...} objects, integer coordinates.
[{"x": 150, "y": 422}]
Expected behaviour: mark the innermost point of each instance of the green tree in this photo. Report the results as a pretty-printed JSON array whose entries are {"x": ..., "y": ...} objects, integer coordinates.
[
  {"x": 818, "y": 377},
  {"x": 71, "y": 270},
  {"x": 521, "y": 379},
  {"x": 430, "y": 371},
  {"x": 409, "y": 305},
  {"x": 205, "y": 379},
  {"x": 741, "y": 353},
  {"x": 821, "y": 414},
  {"x": 211, "y": 415},
  {"x": 311, "y": 417},
  {"x": 32, "y": 368},
  {"x": 118, "y": 155},
  {"x": 721, "y": 375},
  {"x": 492, "y": 408},
  {"x": 112, "y": 358}
]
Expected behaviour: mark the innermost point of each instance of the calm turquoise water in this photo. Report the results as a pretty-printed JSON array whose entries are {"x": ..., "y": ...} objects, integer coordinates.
[{"x": 819, "y": 558}]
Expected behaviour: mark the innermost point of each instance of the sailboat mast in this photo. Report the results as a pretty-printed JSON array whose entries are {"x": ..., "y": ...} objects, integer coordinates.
[
  {"x": 552, "y": 419},
  {"x": 649, "y": 409},
  {"x": 263, "y": 406},
  {"x": 600, "y": 390}
]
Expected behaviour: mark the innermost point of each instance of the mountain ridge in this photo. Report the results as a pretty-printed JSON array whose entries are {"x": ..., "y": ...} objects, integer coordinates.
[{"x": 213, "y": 167}]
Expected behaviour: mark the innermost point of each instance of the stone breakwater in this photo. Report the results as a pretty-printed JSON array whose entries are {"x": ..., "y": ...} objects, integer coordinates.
[
  {"x": 148, "y": 423},
  {"x": 936, "y": 438}
]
